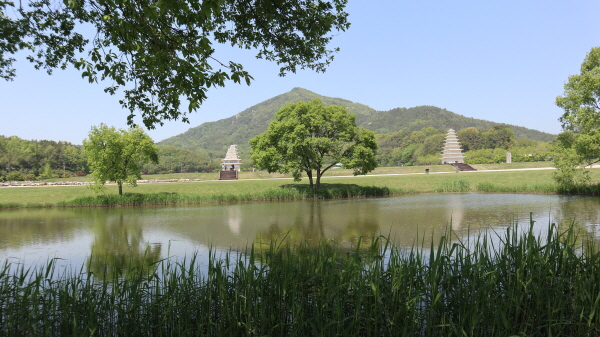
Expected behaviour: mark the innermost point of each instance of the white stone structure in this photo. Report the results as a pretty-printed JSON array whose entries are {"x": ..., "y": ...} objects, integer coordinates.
[
  {"x": 232, "y": 161},
  {"x": 452, "y": 152}
]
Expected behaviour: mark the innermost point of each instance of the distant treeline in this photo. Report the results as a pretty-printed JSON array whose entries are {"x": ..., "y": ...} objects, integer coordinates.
[
  {"x": 41, "y": 159},
  {"x": 22, "y": 159},
  {"x": 30, "y": 159},
  {"x": 424, "y": 147}
]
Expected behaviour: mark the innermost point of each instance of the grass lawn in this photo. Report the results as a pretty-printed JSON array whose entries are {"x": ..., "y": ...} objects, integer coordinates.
[
  {"x": 413, "y": 179},
  {"x": 329, "y": 173}
]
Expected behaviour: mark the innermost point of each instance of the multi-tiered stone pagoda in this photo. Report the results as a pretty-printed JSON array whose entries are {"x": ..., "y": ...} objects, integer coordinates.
[
  {"x": 231, "y": 162},
  {"x": 452, "y": 153}
]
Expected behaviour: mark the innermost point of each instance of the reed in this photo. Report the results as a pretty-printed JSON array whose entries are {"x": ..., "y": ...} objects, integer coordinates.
[
  {"x": 273, "y": 194},
  {"x": 456, "y": 185},
  {"x": 525, "y": 188},
  {"x": 510, "y": 283}
]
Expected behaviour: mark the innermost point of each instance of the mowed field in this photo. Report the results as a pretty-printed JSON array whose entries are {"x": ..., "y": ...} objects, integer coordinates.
[{"x": 407, "y": 178}]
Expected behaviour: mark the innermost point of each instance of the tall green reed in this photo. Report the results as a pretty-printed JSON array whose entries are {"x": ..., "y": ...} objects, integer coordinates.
[
  {"x": 456, "y": 185},
  {"x": 274, "y": 194},
  {"x": 515, "y": 282},
  {"x": 526, "y": 188}
]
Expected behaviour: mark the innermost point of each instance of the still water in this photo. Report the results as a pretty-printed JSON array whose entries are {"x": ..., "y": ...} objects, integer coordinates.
[{"x": 32, "y": 236}]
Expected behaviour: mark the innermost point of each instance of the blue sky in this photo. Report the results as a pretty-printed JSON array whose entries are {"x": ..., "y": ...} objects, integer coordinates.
[{"x": 504, "y": 61}]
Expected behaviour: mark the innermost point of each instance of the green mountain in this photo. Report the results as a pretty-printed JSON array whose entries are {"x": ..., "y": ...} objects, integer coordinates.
[
  {"x": 414, "y": 119},
  {"x": 216, "y": 137}
]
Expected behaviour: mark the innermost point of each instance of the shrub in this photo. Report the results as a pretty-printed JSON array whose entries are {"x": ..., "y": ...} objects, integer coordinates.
[
  {"x": 29, "y": 177},
  {"x": 14, "y": 176}
]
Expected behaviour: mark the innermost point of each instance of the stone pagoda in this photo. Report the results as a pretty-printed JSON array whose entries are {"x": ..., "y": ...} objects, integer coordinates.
[
  {"x": 232, "y": 161},
  {"x": 452, "y": 153}
]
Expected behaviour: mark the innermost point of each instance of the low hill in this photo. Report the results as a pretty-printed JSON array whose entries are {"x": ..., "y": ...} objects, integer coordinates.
[
  {"x": 216, "y": 137},
  {"x": 414, "y": 119}
]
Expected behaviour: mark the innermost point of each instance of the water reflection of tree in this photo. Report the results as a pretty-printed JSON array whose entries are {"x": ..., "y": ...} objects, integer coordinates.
[
  {"x": 119, "y": 246},
  {"x": 583, "y": 213},
  {"x": 308, "y": 227}
]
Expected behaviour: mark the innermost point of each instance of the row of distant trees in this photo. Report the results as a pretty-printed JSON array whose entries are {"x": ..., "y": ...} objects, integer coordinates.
[
  {"x": 424, "y": 147},
  {"x": 31, "y": 159},
  {"x": 22, "y": 159}
]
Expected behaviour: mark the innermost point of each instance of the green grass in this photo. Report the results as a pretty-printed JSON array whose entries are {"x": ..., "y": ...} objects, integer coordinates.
[
  {"x": 527, "y": 286},
  {"x": 489, "y": 181},
  {"x": 329, "y": 173}
]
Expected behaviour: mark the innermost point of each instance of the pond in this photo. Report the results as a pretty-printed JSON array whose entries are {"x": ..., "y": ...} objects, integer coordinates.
[{"x": 32, "y": 236}]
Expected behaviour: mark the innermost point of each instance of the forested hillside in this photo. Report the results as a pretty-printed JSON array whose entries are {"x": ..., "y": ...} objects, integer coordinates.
[
  {"x": 215, "y": 137},
  {"x": 417, "y": 118}
]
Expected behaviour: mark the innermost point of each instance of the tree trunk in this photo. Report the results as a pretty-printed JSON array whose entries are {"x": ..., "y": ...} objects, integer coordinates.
[
  {"x": 120, "y": 188},
  {"x": 318, "y": 181},
  {"x": 310, "y": 179}
]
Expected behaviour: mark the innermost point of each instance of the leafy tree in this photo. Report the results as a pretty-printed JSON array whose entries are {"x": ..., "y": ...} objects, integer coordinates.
[
  {"x": 156, "y": 52},
  {"x": 498, "y": 136},
  {"x": 580, "y": 144},
  {"x": 118, "y": 155},
  {"x": 433, "y": 145},
  {"x": 307, "y": 137},
  {"x": 567, "y": 159},
  {"x": 581, "y": 103},
  {"x": 470, "y": 139}
]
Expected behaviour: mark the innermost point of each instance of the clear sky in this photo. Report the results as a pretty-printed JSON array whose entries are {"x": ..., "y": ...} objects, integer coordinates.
[{"x": 503, "y": 61}]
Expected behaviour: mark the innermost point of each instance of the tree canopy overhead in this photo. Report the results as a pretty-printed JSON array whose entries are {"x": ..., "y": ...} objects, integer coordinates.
[
  {"x": 156, "y": 52},
  {"x": 309, "y": 137},
  {"x": 580, "y": 143}
]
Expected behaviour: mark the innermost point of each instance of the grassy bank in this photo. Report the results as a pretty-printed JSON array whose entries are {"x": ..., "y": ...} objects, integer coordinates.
[
  {"x": 299, "y": 192},
  {"x": 527, "y": 181},
  {"x": 529, "y": 286}
]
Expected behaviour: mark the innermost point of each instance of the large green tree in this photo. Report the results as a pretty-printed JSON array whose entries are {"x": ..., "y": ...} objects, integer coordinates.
[
  {"x": 310, "y": 137},
  {"x": 118, "y": 155},
  {"x": 580, "y": 144},
  {"x": 470, "y": 139},
  {"x": 157, "y": 52}
]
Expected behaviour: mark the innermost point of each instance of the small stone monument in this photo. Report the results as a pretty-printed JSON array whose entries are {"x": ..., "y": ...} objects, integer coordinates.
[
  {"x": 508, "y": 157},
  {"x": 232, "y": 161},
  {"x": 452, "y": 152}
]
